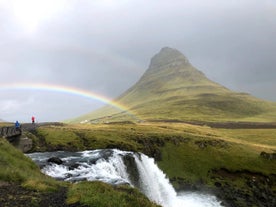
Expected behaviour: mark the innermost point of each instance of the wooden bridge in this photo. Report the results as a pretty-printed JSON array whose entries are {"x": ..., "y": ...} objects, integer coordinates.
[{"x": 10, "y": 132}]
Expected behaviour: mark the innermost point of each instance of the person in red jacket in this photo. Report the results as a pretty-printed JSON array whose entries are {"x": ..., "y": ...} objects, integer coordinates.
[{"x": 33, "y": 119}]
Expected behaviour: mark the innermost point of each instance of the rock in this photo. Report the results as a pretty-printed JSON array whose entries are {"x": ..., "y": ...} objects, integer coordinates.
[
  {"x": 257, "y": 188},
  {"x": 213, "y": 143},
  {"x": 107, "y": 153},
  {"x": 94, "y": 161},
  {"x": 268, "y": 156},
  {"x": 169, "y": 57},
  {"x": 132, "y": 169},
  {"x": 74, "y": 166},
  {"x": 217, "y": 184},
  {"x": 55, "y": 160},
  {"x": 23, "y": 143},
  {"x": 202, "y": 144}
]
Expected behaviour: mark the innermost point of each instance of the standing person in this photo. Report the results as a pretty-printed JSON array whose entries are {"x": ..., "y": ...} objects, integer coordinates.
[
  {"x": 33, "y": 119},
  {"x": 17, "y": 126}
]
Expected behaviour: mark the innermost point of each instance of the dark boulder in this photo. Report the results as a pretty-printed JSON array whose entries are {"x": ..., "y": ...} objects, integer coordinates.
[
  {"x": 55, "y": 160},
  {"x": 74, "y": 166}
]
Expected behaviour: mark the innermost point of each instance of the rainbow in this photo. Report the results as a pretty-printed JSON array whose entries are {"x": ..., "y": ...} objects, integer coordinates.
[{"x": 66, "y": 90}]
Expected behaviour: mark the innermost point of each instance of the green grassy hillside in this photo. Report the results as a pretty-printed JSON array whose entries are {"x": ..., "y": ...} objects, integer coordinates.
[
  {"x": 17, "y": 168},
  {"x": 172, "y": 89}
]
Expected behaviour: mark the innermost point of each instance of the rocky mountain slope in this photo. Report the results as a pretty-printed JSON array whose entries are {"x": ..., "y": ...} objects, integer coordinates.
[{"x": 172, "y": 89}]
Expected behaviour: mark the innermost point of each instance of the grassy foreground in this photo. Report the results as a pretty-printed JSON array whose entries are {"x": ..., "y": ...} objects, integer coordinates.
[
  {"x": 224, "y": 161},
  {"x": 17, "y": 168}
]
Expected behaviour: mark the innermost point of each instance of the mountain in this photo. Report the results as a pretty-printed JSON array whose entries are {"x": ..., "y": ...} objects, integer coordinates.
[{"x": 172, "y": 89}]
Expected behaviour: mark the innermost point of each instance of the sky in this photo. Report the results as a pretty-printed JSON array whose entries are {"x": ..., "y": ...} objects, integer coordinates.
[{"x": 104, "y": 47}]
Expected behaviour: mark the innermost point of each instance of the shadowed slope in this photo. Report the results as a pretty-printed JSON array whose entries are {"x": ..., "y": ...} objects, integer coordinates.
[{"x": 172, "y": 89}]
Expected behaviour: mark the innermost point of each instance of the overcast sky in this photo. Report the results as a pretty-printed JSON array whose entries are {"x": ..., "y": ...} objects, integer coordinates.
[{"x": 105, "y": 46}]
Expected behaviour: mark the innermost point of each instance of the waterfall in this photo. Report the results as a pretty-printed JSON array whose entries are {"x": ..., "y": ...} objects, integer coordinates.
[
  {"x": 154, "y": 183},
  {"x": 120, "y": 167}
]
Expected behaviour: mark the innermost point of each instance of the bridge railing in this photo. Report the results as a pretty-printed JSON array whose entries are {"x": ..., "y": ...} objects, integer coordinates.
[{"x": 9, "y": 131}]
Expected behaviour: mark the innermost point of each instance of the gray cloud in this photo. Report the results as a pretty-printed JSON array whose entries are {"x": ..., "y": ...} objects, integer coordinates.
[{"x": 105, "y": 47}]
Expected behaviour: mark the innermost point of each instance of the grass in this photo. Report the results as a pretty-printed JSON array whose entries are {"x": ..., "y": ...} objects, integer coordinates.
[
  {"x": 17, "y": 168},
  {"x": 98, "y": 194},
  {"x": 78, "y": 138},
  {"x": 194, "y": 164},
  {"x": 224, "y": 106},
  {"x": 256, "y": 137},
  {"x": 4, "y": 124}
]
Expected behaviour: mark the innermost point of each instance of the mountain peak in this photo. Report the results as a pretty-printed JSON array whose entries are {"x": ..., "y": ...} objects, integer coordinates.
[
  {"x": 170, "y": 65},
  {"x": 172, "y": 89},
  {"x": 168, "y": 57}
]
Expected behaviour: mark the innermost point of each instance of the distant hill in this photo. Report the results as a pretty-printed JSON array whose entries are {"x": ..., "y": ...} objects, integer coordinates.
[{"x": 172, "y": 89}]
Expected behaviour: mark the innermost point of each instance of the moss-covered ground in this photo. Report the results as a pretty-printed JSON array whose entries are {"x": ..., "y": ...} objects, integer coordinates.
[{"x": 96, "y": 194}]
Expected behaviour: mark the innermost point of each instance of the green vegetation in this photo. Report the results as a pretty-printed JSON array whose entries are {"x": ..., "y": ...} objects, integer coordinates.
[
  {"x": 187, "y": 104},
  {"x": 78, "y": 138},
  {"x": 257, "y": 137},
  {"x": 5, "y": 124},
  {"x": 17, "y": 168},
  {"x": 98, "y": 194},
  {"x": 191, "y": 161}
]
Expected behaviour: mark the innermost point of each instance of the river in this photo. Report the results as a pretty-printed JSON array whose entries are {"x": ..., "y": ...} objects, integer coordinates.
[{"x": 120, "y": 167}]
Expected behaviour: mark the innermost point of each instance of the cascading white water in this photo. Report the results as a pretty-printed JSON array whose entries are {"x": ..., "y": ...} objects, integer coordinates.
[
  {"x": 108, "y": 166},
  {"x": 159, "y": 189},
  {"x": 90, "y": 166},
  {"x": 154, "y": 182}
]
